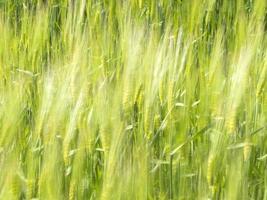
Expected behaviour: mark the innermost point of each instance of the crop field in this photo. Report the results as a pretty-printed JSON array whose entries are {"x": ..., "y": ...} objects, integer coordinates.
[{"x": 133, "y": 99}]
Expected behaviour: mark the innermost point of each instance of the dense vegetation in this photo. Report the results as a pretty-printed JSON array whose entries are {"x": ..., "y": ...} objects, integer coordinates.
[{"x": 133, "y": 99}]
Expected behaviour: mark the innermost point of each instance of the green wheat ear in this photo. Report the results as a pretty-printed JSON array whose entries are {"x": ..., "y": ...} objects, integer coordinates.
[
  {"x": 105, "y": 136},
  {"x": 66, "y": 146},
  {"x": 138, "y": 95},
  {"x": 231, "y": 121},
  {"x": 16, "y": 186},
  {"x": 170, "y": 95},
  {"x": 140, "y": 3},
  {"x": 90, "y": 143},
  {"x": 30, "y": 187},
  {"x": 127, "y": 95},
  {"x": 157, "y": 122},
  {"x": 161, "y": 91},
  {"x": 147, "y": 122},
  {"x": 72, "y": 190},
  {"x": 210, "y": 170},
  {"x": 247, "y": 149}
]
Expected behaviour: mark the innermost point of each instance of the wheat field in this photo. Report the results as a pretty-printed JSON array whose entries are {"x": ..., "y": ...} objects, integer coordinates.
[{"x": 133, "y": 99}]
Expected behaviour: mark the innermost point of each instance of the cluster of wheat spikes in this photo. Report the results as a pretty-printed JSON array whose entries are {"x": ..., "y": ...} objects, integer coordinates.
[{"x": 133, "y": 99}]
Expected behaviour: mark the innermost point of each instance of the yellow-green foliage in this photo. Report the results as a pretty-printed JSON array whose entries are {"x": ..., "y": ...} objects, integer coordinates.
[{"x": 133, "y": 99}]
